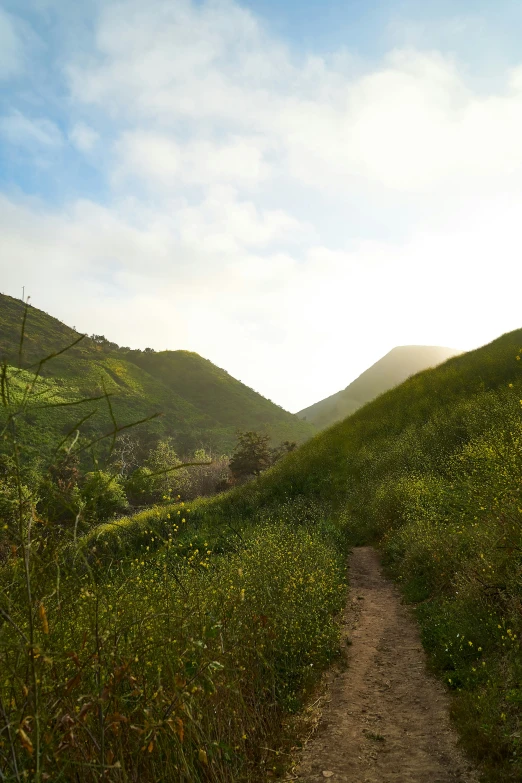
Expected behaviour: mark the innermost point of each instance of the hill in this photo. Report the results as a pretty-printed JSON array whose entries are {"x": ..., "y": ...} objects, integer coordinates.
[
  {"x": 201, "y": 404},
  {"x": 397, "y": 365},
  {"x": 206, "y": 625},
  {"x": 430, "y": 472}
]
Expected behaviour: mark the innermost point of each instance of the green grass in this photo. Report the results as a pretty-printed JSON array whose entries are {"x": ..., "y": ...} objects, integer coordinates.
[
  {"x": 200, "y": 404},
  {"x": 176, "y": 662},
  {"x": 430, "y": 472},
  {"x": 135, "y": 651}
]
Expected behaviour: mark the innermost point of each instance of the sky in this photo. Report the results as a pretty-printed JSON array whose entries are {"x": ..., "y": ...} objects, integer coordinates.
[{"x": 288, "y": 189}]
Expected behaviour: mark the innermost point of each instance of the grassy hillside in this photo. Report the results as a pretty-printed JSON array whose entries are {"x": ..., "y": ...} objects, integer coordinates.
[
  {"x": 394, "y": 368},
  {"x": 429, "y": 471},
  {"x": 171, "y": 644},
  {"x": 201, "y": 405}
]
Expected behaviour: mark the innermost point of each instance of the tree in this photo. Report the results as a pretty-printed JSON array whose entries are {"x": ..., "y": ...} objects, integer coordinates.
[
  {"x": 251, "y": 457},
  {"x": 125, "y": 455},
  {"x": 163, "y": 461},
  {"x": 205, "y": 479},
  {"x": 101, "y": 340},
  {"x": 59, "y": 499},
  {"x": 284, "y": 448},
  {"x": 141, "y": 487}
]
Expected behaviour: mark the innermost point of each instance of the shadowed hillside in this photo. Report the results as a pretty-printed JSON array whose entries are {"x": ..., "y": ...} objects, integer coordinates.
[
  {"x": 388, "y": 372},
  {"x": 201, "y": 404}
]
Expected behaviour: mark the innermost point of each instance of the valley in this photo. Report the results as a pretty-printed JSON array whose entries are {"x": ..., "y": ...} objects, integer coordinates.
[{"x": 176, "y": 640}]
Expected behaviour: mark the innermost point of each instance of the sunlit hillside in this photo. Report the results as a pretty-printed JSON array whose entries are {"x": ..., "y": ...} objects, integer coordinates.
[
  {"x": 430, "y": 472},
  {"x": 390, "y": 371},
  {"x": 201, "y": 405}
]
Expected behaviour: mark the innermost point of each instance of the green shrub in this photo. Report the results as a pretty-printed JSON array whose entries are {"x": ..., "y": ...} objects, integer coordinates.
[{"x": 103, "y": 495}]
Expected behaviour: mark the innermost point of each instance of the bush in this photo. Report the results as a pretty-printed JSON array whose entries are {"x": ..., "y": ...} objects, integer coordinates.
[{"x": 103, "y": 495}]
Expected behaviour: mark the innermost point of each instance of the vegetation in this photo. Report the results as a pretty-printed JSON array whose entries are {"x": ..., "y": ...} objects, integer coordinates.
[
  {"x": 431, "y": 471},
  {"x": 399, "y": 364},
  {"x": 170, "y": 654},
  {"x": 170, "y": 643},
  {"x": 201, "y": 405},
  {"x": 253, "y": 455}
]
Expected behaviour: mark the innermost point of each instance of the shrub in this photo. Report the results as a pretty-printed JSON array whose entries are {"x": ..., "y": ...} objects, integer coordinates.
[{"x": 103, "y": 495}]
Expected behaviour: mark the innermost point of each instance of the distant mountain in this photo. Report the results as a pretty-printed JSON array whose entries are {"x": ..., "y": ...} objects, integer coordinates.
[
  {"x": 390, "y": 371},
  {"x": 201, "y": 404}
]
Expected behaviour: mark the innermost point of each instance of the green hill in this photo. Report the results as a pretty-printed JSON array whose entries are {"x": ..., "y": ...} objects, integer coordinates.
[
  {"x": 203, "y": 627},
  {"x": 430, "y": 472},
  {"x": 400, "y": 363},
  {"x": 201, "y": 404}
]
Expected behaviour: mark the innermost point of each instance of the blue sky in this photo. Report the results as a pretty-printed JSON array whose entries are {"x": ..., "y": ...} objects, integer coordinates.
[{"x": 290, "y": 189}]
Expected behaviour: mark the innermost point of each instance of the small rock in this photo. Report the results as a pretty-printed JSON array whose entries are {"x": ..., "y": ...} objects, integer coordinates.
[{"x": 327, "y": 773}]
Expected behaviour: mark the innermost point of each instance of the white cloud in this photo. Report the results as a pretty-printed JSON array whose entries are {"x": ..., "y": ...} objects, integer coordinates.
[
  {"x": 158, "y": 159},
  {"x": 221, "y": 223},
  {"x": 22, "y": 131},
  {"x": 83, "y": 137},
  {"x": 410, "y": 125},
  {"x": 11, "y": 47}
]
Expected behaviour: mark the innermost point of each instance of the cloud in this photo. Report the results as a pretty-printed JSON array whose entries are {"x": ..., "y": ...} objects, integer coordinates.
[
  {"x": 83, "y": 137},
  {"x": 411, "y": 125},
  {"x": 11, "y": 47},
  {"x": 295, "y": 325},
  {"x": 163, "y": 54},
  {"x": 158, "y": 159},
  {"x": 22, "y": 131}
]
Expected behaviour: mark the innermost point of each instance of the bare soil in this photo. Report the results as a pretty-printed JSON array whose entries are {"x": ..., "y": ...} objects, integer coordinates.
[{"x": 386, "y": 718}]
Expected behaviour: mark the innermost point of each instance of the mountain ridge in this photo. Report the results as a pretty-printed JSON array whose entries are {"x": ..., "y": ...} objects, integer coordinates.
[
  {"x": 387, "y": 372},
  {"x": 202, "y": 405}
]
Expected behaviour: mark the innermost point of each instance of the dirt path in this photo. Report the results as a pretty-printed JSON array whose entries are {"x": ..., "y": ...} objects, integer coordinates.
[{"x": 386, "y": 718}]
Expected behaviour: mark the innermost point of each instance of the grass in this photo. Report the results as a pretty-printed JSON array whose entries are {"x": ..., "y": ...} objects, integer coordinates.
[
  {"x": 201, "y": 405},
  {"x": 430, "y": 472},
  {"x": 391, "y": 370},
  {"x": 170, "y": 645},
  {"x": 175, "y": 665}
]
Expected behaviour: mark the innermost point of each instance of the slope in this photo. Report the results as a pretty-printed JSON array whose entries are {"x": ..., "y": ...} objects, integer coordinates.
[
  {"x": 201, "y": 405},
  {"x": 237, "y": 595},
  {"x": 388, "y": 372},
  {"x": 429, "y": 471}
]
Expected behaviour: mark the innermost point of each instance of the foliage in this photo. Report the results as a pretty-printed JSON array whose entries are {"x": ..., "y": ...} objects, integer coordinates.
[
  {"x": 278, "y": 452},
  {"x": 431, "y": 471},
  {"x": 58, "y": 492},
  {"x": 176, "y": 666},
  {"x": 204, "y": 480},
  {"x": 103, "y": 495},
  {"x": 251, "y": 456},
  {"x": 165, "y": 646},
  {"x": 120, "y": 628},
  {"x": 140, "y": 487},
  {"x": 201, "y": 405},
  {"x": 169, "y": 479}
]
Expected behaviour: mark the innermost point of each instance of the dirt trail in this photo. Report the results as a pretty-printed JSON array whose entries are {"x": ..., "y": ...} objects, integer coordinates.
[{"x": 386, "y": 718}]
